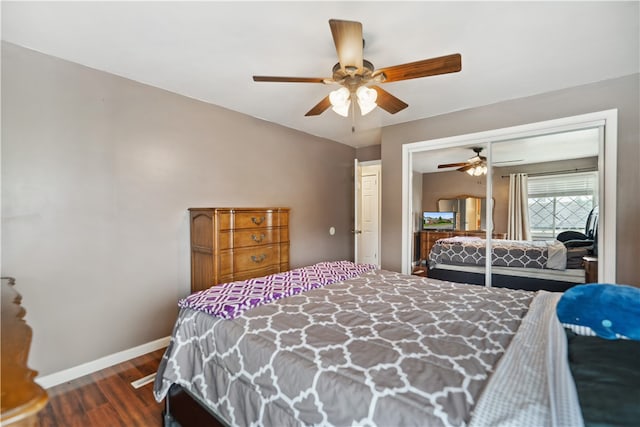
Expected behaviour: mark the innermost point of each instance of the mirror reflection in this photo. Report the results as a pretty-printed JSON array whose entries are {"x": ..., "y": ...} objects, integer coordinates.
[
  {"x": 470, "y": 211},
  {"x": 545, "y": 204}
]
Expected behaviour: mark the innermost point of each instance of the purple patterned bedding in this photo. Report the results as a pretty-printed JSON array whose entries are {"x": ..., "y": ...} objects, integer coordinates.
[
  {"x": 550, "y": 254},
  {"x": 230, "y": 300}
]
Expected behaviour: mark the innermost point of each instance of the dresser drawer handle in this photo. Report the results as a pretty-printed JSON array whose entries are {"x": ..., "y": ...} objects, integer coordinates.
[
  {"x": 257, "y": 239},
  {"x": 257, "y": 221},
  {"x": 258, "y": 259}
]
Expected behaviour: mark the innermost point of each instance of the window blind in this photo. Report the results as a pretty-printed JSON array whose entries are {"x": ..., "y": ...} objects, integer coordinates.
[{"x": 575, "y": 184}]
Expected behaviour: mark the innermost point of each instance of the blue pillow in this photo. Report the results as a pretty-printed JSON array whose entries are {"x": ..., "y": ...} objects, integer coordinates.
[{"x": 610, "y": 311}]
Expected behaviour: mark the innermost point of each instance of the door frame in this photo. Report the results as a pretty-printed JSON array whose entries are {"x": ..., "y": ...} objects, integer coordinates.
[
  {"x": 607, "y": 162},
  {"x": 358, "y": 201}
]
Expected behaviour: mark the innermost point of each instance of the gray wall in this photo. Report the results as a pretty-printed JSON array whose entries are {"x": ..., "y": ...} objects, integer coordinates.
[
  {"x": 97, "y": 175},
  {"x": 621, "y": 93},
  {"x": 370, "y": 152}
]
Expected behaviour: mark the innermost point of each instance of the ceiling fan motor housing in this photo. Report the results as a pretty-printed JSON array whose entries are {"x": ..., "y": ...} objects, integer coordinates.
[{"x": 352, "y": 71}]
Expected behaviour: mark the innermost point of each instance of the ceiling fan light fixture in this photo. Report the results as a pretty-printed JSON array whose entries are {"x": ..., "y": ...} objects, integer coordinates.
[
  {"x": 343, "y": 110},
  {"x": 366, "y": 99},
  {"x": 340, "y": 101},
  {"x": 477, "y": 170}
]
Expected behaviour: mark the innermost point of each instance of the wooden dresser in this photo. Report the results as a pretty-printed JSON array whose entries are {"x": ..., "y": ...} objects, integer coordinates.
[
  {"x": 229, "y": 244},
  {"x": 426, "y": 239},
  {"x": 21, "y": 397}
]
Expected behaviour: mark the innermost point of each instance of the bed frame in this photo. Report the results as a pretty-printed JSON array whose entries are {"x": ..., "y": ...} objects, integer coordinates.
[
  {"x": 182, "y": 409},
  {"x": 527, "y": 283}
]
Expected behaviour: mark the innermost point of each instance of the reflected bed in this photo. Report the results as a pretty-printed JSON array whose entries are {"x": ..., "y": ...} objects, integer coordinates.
[{"x": 516, "y": 264}]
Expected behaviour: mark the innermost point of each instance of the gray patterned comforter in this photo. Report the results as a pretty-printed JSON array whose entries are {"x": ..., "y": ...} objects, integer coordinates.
[
  {"x": 382, "y": 349},
  {"x": 551, "y": 254}
]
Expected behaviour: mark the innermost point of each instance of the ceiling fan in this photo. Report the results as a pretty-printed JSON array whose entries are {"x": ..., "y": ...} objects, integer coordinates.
[
  {"x": 476, "y": 165},
  {"x": 358, "y": 78}
]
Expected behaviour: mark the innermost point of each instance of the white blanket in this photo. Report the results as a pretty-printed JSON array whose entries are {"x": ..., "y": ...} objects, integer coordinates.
[
  {"x": 532, "y": 385},
  {"x": 557, "y": 255}
]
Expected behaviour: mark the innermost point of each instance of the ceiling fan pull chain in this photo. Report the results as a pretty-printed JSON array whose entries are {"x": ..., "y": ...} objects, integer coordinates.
[{"x": 353, "y": 117}]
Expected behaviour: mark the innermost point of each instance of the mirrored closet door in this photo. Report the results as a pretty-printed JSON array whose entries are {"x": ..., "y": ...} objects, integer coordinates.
[
  {"x": 535, "y": 202},
  {"x": 451, "y": 213},
  {"x": 546, "y": 193}
]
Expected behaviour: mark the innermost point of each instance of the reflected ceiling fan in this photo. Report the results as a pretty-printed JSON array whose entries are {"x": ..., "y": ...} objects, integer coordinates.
[
  {"x": 475, "y": 166},
  {"x": 359, "y": 79}
]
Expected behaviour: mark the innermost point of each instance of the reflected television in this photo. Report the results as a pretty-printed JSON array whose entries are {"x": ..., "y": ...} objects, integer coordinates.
[{"x": 439, "y": 221}]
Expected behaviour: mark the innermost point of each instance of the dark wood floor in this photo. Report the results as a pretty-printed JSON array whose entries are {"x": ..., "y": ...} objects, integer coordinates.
[{"x": 106, "y": 398}]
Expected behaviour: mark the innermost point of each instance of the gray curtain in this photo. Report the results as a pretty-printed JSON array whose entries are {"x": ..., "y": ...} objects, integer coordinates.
[{"x": 518, "y": 225}]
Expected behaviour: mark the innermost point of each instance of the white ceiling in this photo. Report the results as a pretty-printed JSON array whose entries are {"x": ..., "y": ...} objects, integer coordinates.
[{"x": 210, "y": 50}]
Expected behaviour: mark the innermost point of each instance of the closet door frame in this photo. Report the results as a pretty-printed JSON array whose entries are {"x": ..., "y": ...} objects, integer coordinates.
[{"x": 606, "y": 120}]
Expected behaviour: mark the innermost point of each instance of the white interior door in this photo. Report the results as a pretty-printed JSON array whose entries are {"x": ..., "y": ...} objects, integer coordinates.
[{"x": 367, "y": 209}]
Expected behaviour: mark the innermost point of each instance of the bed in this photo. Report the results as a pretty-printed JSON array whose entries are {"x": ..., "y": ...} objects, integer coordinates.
[
  {"x": 370, "y": 348},
  {"x": 529, "y": 265}
]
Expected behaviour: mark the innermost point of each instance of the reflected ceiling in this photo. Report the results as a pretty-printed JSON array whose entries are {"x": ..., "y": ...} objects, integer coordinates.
[{"x": 539, "y": 149}]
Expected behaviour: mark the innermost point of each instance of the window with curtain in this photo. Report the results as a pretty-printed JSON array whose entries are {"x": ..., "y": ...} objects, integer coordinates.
[{"x": 561, "y": 202}]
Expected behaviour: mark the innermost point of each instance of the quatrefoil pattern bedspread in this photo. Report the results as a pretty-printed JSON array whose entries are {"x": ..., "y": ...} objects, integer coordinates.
[
  {"x": 380, "y": 349},
  {"x": 550, "y": 254}
]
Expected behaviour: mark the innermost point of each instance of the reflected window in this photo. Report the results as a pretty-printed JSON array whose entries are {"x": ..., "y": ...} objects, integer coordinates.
[{"x": 561, "y": 203}]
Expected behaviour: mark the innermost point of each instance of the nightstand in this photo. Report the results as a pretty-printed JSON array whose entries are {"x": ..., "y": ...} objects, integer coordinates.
[
  {"x": 420, "y": 269},
  {"x": 590, "y": 269}
]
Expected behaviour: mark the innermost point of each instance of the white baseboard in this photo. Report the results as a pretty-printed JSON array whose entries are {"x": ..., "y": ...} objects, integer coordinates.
[{"x": 48, "y": 381}]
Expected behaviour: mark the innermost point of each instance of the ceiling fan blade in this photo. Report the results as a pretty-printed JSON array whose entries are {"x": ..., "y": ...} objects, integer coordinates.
[
  {"x": 424, "y": 68},
  {"x": 464, "y": 168},
  {"x": 320, "y": 107},
  {"x": 452, "y": 165},
  {"x": 347, "y": 36},
  {"x": 289, "y": 79},
  {"x": 388, "y": 102}
]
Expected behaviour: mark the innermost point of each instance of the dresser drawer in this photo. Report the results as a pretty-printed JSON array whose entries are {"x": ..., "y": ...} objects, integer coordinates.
[
  {"x": 245, "y": 259},
  {"x": 284, "y": 254},
  {"x": 248, "y": 219},
  {"x": 251, "y": 274},
  {"x": 255, "y": 237},
  {"x": 229, "y": 239},
  {"x": 432, "y": 237},
  {"x": 254, "y": 258}
]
